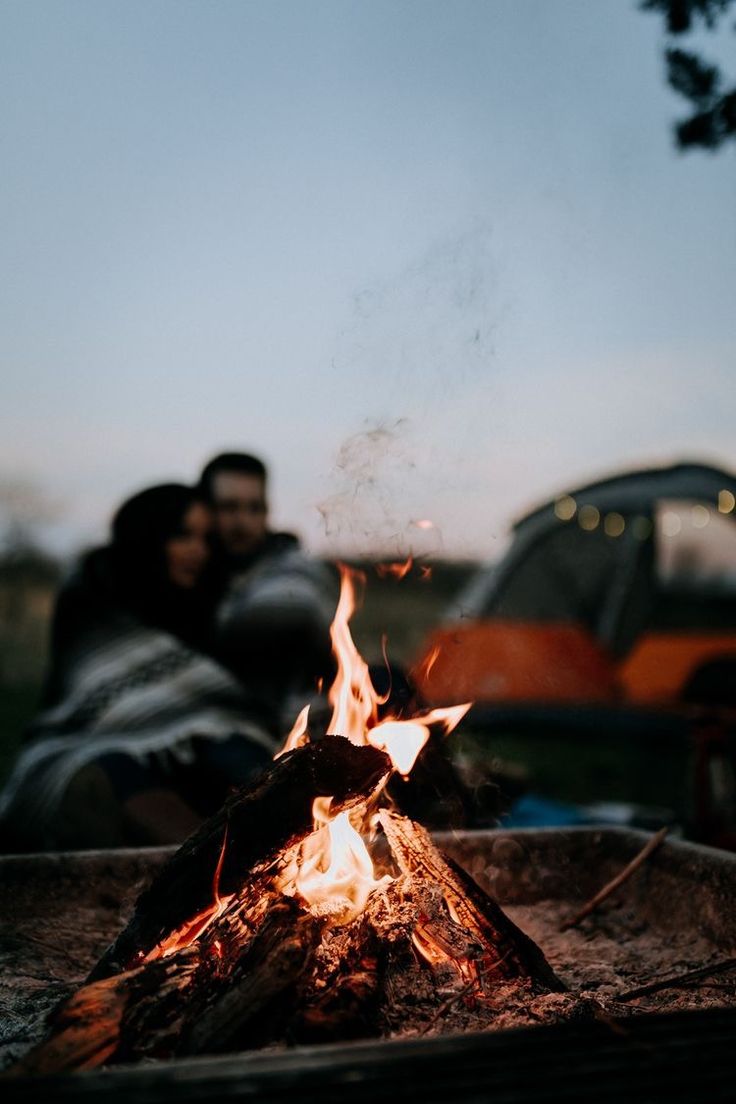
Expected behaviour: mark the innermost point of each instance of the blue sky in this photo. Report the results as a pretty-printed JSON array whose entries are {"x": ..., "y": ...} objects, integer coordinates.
[{"x": 429, "y": 259}]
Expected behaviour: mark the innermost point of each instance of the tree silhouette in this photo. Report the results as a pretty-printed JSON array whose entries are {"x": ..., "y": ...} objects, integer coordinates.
[{"x": 713, "y": 121}]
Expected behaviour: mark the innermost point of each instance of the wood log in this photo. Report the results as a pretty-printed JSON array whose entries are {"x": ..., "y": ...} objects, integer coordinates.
[
  {"x": 512, "y": 953},
  {"x": 254, "y": 966},
  {"x": 194, "y": 1001},
  {"x": 85, "y": 1031},
  {"x": 254, "y": 1004},
  {"x": 138, "y": 1003},
  {"x": 259, "y": 822}
]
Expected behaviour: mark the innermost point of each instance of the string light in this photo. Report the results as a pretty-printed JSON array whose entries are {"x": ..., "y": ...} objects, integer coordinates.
[
  {"x": 699, "y": 516},
  {"x": 565, "y": 508},
  {"x": 614, "y": 525},
  {"x": 588, "y": 518},
  {"x": 641, "y": 527}
]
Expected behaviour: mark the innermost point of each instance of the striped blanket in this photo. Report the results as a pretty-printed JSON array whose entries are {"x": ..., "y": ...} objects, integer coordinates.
[{"x": 139, "y": 692}]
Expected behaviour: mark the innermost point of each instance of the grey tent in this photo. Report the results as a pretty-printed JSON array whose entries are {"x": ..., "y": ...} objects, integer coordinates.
[{"x": 594, "y": 556}]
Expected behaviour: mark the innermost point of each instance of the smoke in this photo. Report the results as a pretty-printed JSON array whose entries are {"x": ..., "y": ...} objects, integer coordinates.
[
  {"x": 429, "y": 331},
  {"x": 378, "y": 476},
  {"x": 416, "y": 357}
]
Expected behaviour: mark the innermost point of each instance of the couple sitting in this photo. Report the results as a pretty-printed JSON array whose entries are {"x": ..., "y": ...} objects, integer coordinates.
[{"x": 174, "y": 650}]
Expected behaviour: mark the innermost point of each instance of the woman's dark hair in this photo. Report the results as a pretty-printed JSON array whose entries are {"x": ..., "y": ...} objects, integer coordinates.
[
  {"x": 139, "y": 533},
  {"x": 130, "y": 576},
  {"x": 145, "y": 522},
  {"x": 137, "y": 556}
]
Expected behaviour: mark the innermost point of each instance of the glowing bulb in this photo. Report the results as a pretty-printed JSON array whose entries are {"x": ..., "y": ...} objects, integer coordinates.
[
  {"x": 588, "y": 518},
  {"x": 699, "y": 516},
  {"x": 565, "y": 508},
  {"x": 641, "y": 527},
  {"x": 614, "y": 525},
  {"x": 671, "y": 524}
]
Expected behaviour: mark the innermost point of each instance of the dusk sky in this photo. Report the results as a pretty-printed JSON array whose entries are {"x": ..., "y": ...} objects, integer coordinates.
[{"x": 431, "y": 260}]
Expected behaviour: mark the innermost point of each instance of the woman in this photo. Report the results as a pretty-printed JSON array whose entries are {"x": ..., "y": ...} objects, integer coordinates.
[{"x": 142, "y": 734}]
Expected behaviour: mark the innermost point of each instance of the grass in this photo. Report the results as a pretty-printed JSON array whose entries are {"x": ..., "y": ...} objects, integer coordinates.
[{"x": 17, "y": 707}]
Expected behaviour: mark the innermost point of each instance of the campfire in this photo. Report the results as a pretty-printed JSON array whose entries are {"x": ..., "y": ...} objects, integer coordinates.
[{"x": 308, "y": 909}]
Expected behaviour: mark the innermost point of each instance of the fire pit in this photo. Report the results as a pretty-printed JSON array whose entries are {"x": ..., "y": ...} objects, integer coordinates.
[
  {"x": 674, "y": 914},
  {"x": 309, "y": 910}
]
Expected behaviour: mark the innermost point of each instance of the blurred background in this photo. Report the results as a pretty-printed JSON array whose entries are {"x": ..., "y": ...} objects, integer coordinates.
[{"x": 444, "y": 266}]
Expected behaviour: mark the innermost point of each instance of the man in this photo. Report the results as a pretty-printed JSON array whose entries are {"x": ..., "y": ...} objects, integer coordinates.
[
  {"x": 273, "y": 627},
  {"x": 273, "y": 622}
]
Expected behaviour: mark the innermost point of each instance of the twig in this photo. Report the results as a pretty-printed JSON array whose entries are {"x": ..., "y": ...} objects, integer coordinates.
[
  {"x": 461, "y": 994},
  {"x": 679, "y": 979},
  {"x": 620, "y": 878}
]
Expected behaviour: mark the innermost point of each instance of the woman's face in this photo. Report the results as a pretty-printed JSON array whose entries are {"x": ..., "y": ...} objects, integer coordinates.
[{"x": 189, "y": 550}]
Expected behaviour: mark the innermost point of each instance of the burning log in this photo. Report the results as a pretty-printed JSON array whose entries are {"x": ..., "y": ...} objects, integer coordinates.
[
  {"x": 196, "y": 1001},
  {"x": 296, "y": 937},
  {"x": 266, "y": 966},
  {"x": 256, "y": 823},
  {"x": 512, "y": 953}
]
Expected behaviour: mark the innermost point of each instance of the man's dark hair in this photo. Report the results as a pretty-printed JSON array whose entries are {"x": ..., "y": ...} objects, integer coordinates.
[{"x": 242, "y": 463}]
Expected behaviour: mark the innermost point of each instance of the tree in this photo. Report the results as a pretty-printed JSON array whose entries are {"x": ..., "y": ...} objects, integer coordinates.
[
  {"x": 713, "y": 121},
  {"x": 24, "y": 509}
]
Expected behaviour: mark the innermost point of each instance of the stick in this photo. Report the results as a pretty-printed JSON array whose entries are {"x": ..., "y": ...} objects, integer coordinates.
[
  {"x": 619, "y": 880},
  {"x": 460, "y": 995},
  {"x": 679, "y": 979}
]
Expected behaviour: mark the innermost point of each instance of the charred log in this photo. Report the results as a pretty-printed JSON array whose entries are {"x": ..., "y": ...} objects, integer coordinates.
[
  {"x": 229, "y": 990},
  {"x": 512, "y": 953},
  {"x": 256, "y": 823},
  {"x": 255, "y": 967}
]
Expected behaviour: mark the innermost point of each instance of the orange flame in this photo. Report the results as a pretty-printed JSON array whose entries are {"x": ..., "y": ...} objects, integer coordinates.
[
  {"x": 191, "y": 931},
  {"x": 298, "y": 735},
  {"x": 397, "y": 570},
  {"x": 422, "y": 670},
  {"x": 352, "y": 696},
  {"x": 403, "y": 740},
  {"x": 334, "y": 872}
]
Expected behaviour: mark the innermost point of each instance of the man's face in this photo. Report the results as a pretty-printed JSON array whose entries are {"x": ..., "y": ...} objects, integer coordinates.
[{"x": 241, "y": 516}]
